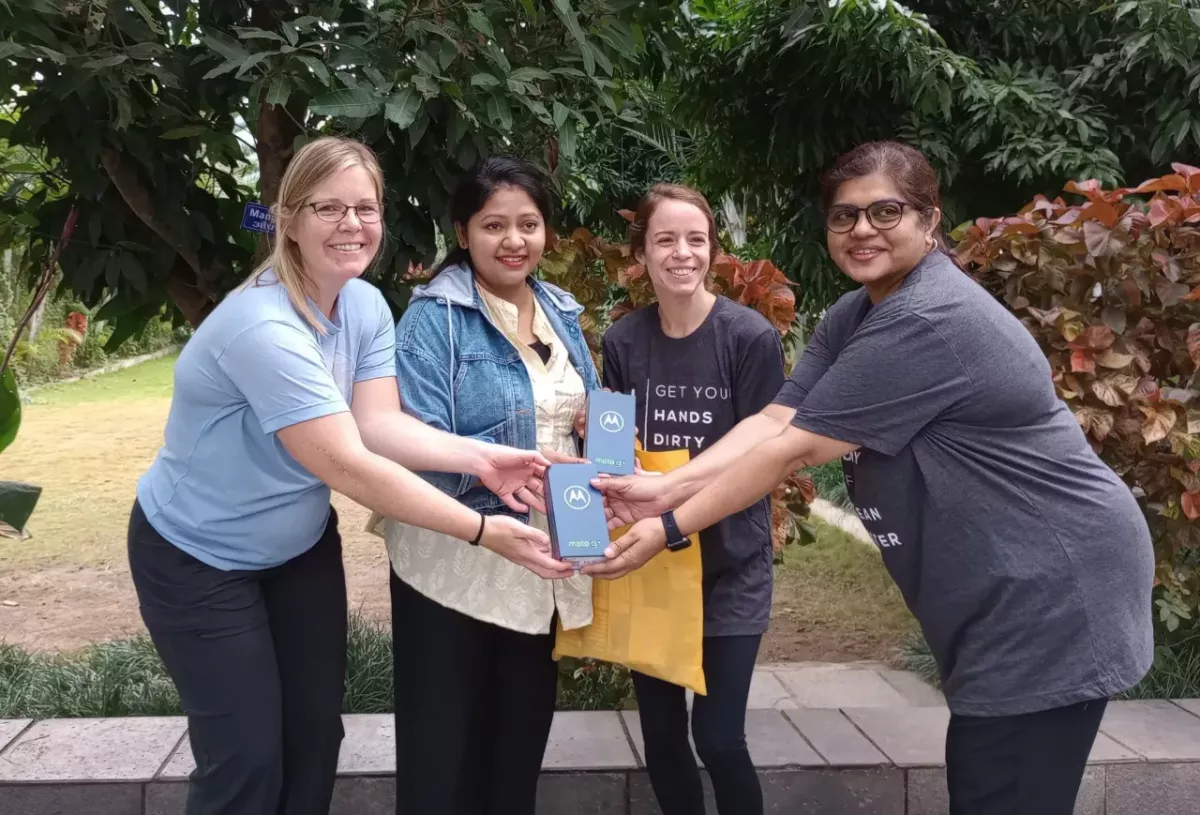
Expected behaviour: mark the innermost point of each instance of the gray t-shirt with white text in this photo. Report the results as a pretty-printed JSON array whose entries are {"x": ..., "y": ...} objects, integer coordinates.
[
  {"x": 1025, "y": 559},
  {"x": 690, "y": 392}
]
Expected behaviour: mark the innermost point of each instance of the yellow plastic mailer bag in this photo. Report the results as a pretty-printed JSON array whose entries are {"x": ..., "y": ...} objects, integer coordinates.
[{"x": 652, "y": 619}]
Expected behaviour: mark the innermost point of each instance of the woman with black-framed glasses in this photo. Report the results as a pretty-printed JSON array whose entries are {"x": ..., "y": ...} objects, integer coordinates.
[
  {"x": 286, "y": 392},
  {"x": 1026, "y": 560}
]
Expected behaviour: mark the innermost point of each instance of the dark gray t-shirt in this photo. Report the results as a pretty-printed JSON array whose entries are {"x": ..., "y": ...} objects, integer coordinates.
[
  {"x": 1025, "y": 559},
  {"x": 690, "y": 392}
]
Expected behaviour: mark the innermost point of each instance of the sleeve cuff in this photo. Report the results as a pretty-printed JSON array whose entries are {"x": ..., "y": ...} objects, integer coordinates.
[
  {"x": 832, "y": 430},
  {"x": 304, "y": 414},
  {"x": 374, "y": 372}
]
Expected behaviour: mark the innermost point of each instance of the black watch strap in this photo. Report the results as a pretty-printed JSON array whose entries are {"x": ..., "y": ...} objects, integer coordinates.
[{"x": 675, "y": 541}]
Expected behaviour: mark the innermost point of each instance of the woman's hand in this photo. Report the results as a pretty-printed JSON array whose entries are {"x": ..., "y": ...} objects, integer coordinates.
[
  {"x": 630, "y": 551},
  {"x": 512, "y": 474},
  {"x": 630, "y": 498},
  {"x": 523, "y": 545}
]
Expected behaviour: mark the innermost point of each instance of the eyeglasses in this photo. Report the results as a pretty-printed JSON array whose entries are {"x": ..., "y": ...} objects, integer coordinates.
[
  {"x": 334, "y": 211},
  {"x": 880, "y": 214}
]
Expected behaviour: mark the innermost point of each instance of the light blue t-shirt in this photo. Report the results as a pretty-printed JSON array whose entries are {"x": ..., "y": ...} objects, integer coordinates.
[{"x": 223, "y": 488}]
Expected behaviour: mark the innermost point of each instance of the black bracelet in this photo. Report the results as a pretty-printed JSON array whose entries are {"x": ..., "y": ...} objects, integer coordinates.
[{"x": 479, "y": 534}]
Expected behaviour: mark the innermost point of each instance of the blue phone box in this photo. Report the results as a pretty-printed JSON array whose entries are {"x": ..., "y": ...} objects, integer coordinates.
[
  {"x": 575, "y": 510},
  {"x": 611, "y": 424}
]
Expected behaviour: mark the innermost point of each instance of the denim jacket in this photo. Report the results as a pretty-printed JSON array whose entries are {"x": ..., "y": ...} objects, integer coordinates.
[{"x": 458, "y": 372}]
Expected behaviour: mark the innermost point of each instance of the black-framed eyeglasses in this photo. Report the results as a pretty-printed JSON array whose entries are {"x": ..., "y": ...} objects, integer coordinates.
[
  {"x": 334, "y": 211},
  {"x": 883, "y": 214}
]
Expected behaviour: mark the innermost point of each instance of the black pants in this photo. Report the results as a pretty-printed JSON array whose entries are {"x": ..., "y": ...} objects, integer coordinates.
[
  {"x": 474, "y": 703},
  {"x": 259, "y": 658},
  {"x": 1020, "y": 765},
  {"x": 718, "y": 728}
]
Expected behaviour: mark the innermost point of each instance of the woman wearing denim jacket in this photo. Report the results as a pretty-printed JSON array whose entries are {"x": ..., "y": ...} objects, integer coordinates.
[{"x": 484, "y": 351}]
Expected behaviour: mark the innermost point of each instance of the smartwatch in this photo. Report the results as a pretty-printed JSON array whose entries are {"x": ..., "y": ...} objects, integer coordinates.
[{"x": 675, "y": 541}]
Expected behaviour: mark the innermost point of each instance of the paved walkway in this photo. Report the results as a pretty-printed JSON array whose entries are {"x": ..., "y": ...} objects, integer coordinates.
[{"x": 794, "y": 685}]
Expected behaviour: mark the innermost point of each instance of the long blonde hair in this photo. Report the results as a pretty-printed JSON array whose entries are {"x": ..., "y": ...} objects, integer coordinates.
[{"x": 312, "y": 164}]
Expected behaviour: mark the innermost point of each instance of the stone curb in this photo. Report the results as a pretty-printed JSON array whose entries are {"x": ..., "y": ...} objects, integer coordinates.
[{"x": 886, "y": 760}]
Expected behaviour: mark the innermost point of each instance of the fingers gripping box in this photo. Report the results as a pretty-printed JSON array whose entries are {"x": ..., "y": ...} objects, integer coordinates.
[
  {"x": 575, "y": 509},
  {"x": 611, "y": 423}
]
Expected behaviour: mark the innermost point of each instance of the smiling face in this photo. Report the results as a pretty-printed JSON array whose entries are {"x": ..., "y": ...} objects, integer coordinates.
[
  {"x": 506, "y": 238},
  {"x": 678, "y": 249},
  {"x": 878, "y": 258},
  {"x": 337, "y": 250}
]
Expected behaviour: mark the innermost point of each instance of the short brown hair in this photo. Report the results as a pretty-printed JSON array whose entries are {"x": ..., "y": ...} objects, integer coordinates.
[{"x": 673, "y": 192}]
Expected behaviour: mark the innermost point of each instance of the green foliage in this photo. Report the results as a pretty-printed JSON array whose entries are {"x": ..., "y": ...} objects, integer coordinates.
[
  {"x": 60, "y": 352},
  {"x": 1005, "y": 98},
  {"x": 830, "y": 482},
  {"x": 136, "y": 111},
  {"x": 586, "y": 684},
  {"x": 127, "y": 678},
  {"x": 124, "y": 678},
  {"x": 10, "y": 409},
  {"x": 1110, "y": 289}
]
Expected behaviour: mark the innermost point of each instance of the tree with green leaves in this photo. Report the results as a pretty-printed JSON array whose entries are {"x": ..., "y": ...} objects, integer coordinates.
[
  {"x": 159, "y": 121},
  {"x": 1008, "y": 99}
]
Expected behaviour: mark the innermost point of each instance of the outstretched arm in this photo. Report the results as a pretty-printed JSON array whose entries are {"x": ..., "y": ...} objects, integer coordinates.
[
  {"x": 331, "y": 448},
  {"x": 389, "y": 432},
  {"x": 633, "y": 497},
  {"x": 745, "y": 481}
]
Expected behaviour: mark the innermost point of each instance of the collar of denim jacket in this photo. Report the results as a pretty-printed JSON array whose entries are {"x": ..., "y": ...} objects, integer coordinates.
[{"x": 456, "y": 285}]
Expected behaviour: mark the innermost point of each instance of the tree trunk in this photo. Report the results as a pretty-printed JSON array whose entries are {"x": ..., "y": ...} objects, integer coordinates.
[
  {"x": 278, "y": 125},
  {"x": 181, "y": 287}
]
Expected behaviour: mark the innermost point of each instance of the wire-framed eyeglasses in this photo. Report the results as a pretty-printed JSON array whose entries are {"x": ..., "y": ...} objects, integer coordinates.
[
  {"x": 883, "y": 214},
  {"x": 334, "y": 211}
]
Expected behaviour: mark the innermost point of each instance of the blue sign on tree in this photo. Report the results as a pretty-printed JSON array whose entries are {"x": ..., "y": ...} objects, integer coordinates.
[{"x": 257, "y": 218}]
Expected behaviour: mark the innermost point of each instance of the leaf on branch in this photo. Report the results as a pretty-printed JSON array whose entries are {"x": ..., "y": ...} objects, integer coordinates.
[
  {"x": 480, "y": 22},
  {"x": 402, "y": 108},
  {"x": 349, "y": 102},
  {"x": 106, "y": 62},
  {"x": 1097, "y": 421},
  {"x": 1170, "y": 294},
  {"x": 279, "y": 90},
  {"x": 1160, "y": 419},
  {"x": 1109, "y": 358},
  {"x": 1193, "y": 343},
  {"x": 485, "y": 80},
  {"x": 1082, "y": 361},
  {"x": 227, "y": 48},
  {"x": 1101, "y": 241},
  {"x": 317, "y": 67},
  {"x": 1189, "y": 502},
  {"x": 1107, "y": 393},
  {"x": 1114, "y": 318},
  {"x": 1094, "y": 338},
  {"x": 186, "y": 132}
]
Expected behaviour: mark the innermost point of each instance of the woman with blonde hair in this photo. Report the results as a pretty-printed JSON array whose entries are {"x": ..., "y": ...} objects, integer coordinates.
[{"x": 286, "y": 391}]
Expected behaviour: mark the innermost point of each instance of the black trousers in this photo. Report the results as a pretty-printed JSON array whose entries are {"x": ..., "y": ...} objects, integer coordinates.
[
  {"x": 718, "y": 729},
  {"x": 474, "y": 704},
  {"x": 259, "y": 658},
  {"x": 1030, "y": 764}
]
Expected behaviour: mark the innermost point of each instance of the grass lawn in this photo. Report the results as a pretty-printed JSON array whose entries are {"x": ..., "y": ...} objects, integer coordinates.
[
  {"x": 87, "y": 442},
  {"x": 835, "y": 602}
]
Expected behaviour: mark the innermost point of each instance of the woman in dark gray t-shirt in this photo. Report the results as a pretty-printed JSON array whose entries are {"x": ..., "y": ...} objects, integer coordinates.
[
  {"x": 1026, "y": 560},
  {"x": 699, "y": 364}
]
